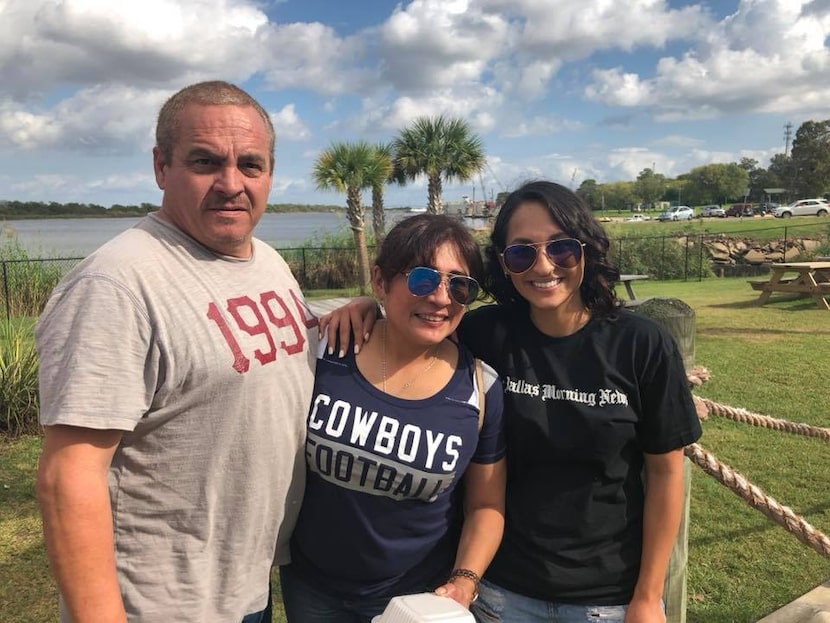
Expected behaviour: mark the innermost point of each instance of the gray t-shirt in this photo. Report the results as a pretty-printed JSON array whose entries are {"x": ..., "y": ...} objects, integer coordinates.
[{"x": 206, "y": 363}]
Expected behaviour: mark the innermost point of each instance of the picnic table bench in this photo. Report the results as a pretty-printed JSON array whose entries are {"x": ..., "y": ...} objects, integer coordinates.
[
  {"x": 626, "y": 281},
  {"x": 810, "y": 279}
]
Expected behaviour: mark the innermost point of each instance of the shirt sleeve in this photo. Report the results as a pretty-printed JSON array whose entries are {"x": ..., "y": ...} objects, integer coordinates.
[
  {"x": 668, "y": 420},
  {"x": 98, "y": 362}
]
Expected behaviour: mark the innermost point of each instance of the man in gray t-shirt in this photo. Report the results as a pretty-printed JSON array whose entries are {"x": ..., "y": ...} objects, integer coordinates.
[{"x": 175, "y": 372}]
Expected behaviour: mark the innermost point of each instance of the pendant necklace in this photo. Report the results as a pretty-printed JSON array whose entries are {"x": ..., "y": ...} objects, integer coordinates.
[{"x": 406, "y": 385}]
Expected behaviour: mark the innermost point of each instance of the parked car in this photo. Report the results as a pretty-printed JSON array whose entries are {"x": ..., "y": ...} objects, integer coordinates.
[
  {"x": 713, "y": 210},
  {"x": 740, "y": 209},
  {"x": 677, "y": 213},
  {"x": 638, "y": 218},
  {"x": 803, "y": 207}
]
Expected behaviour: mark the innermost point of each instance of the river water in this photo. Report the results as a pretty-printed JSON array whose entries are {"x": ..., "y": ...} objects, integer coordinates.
[{"x": 77, "y": 237}]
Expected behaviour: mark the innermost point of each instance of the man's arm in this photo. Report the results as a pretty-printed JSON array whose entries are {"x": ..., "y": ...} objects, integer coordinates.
[{"x": 77, "y": 520}]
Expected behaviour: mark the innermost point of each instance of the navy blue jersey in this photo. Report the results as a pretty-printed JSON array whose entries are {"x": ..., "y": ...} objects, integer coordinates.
[{"x": 382, "y": 509}]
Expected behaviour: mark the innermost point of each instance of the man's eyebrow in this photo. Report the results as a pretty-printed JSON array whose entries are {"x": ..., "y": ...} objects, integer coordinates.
[
  {"x": 252, "y": 157},
  {"x": 197, "y": 152}
]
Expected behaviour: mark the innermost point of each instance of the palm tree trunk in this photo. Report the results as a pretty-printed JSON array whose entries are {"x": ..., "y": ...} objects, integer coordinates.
[
  {"x": 434, "y": 191},
  {"x": 354, "y": 211},
  {"x": 378, "y": 216}
]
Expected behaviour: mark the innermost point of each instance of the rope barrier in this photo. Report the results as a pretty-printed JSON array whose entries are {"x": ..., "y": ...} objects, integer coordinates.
[
  {"x": 737, "y": 483},
  {"x": 764, "y": 421},
  {"x": 757, "y": 499}
]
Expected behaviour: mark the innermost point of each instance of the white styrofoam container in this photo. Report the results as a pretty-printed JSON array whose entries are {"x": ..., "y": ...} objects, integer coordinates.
[{"x": 424, "y": 608}]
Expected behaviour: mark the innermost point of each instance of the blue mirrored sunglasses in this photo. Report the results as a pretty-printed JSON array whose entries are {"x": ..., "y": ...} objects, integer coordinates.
[
  {"x": 422, "y": 281},
  {"x": 564, "y": 253}
]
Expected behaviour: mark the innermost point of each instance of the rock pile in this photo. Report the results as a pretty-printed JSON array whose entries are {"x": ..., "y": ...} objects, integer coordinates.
[{"x": 724, "y": 250}]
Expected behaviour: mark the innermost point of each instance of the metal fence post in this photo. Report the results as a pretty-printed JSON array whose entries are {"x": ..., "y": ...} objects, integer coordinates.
[
  {"x": 6, "y": 292},
  {"x": 686, "y": 260}
]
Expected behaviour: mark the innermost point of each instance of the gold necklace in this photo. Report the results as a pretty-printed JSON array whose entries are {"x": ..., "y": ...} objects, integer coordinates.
[{"x": 406, "y": 385}]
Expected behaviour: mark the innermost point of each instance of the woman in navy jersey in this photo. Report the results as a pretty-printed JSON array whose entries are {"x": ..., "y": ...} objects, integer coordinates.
[
  {"x": 597, "y": 412},
  {"x": 393, "y": 429}
]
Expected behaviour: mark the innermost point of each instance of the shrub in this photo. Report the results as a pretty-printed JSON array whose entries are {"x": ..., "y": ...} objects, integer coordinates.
[
  {"x": 327, "y": 261},
  {"x": 18, "y": 380},
  {"x": 664, "y": 257}
]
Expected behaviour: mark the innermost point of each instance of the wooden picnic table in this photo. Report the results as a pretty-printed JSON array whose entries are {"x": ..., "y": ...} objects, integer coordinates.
[
  {"x": 811, "y": 279},
  {"x": 626, "y": 281}
]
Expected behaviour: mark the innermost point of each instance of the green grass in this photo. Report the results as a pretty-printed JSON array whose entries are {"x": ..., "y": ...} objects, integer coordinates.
[
  {"x": 759, "y": 229},
  {"x": 771, "y": 359}
]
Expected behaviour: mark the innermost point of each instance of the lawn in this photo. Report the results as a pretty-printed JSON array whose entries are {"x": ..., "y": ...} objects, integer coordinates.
[
  {"x": 771, "y": 360},
  {"x": 758, "y": 229}
]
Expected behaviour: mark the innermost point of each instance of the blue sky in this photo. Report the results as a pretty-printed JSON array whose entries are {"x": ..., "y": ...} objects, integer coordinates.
[{"x": 561, "y": 89}]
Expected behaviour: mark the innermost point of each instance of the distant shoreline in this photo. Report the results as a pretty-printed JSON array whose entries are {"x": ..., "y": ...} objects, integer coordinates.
[
  {"x": 6, "y": 215},
  {"x": 19, "y": 211}
]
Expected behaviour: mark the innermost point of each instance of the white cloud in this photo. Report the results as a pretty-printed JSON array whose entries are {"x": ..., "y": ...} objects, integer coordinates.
[
  {"x": 539, "y": 125},
  {"x": 570, "y": 29},
  {"x": 47, "y": 43},
  {"x": 438, "y": 44},
  {"x": 288, "y": 125},
  {"x": 768, "y": 56},
  {"x": 313, "y": 57},
  {"x": 99, "y": 119}
]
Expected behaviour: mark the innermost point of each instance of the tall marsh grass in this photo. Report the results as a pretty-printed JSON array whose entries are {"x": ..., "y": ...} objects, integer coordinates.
[
  {"x": 18, "y": 379},
  {"x": 327, "y": 261},
  {"x": 25, "y": 282}
]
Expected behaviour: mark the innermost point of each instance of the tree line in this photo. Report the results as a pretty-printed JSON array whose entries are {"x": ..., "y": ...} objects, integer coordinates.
[
  {"x": 803, "y": 173},
  {"x": 39, "y": 209}
]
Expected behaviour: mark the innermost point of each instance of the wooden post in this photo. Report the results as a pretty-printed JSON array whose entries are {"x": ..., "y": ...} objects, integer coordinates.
[{"x": 679, "y": 319}]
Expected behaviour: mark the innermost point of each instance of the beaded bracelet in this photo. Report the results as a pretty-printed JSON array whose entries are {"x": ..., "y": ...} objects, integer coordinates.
[{"x": 470, "y": 575}]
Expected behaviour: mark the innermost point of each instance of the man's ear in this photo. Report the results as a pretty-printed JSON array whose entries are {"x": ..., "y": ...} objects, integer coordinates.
[{"x": 159, "y": 165}]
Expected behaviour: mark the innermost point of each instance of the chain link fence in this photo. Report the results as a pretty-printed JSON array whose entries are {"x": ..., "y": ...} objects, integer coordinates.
[{"x": 25, "y": 284}]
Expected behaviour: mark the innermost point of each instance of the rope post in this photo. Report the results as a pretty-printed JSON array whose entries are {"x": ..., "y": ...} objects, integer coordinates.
[{"x": 679, "y": 319}]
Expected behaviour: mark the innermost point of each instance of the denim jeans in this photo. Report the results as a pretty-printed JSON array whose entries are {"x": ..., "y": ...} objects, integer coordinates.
[
  {"x": 305, "y": 603},
  {"x": 498, "y": 605}
]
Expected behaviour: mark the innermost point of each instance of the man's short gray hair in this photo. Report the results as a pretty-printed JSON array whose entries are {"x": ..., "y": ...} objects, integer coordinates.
[{"x": 212, "y": 93}]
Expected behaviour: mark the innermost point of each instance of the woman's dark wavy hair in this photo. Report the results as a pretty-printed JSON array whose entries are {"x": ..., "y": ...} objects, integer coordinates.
[
  {"x": 414, "y": 241},
  {"x": 576, "y": 220}
]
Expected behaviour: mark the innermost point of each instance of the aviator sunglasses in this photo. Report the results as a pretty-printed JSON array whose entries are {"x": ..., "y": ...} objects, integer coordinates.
[
  {"x": 422, "y": 281},
  {"x": 564, "y": 253}
]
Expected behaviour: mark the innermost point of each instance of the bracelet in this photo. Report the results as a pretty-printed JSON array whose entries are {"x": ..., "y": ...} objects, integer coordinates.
[{"x": 470, "y": 575}]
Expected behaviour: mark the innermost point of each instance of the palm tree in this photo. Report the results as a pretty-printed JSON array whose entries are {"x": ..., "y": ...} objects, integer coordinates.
[
  {"x": 386, "y": 173},
  {"x": 442, "y": 148},
  {"x": 351, "y": 168}
]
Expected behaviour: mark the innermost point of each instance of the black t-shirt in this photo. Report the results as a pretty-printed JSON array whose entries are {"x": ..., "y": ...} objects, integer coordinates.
[{"x": 579, "y": 413}]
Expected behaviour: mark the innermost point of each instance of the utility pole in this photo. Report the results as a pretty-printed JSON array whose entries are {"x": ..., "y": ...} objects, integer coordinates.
[{"x": 788, "y": 134}]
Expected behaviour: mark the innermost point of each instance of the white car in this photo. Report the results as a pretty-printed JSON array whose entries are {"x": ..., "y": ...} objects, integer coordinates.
[
  {"x": 637, "y": 218},
  {"x": 803, "y": 207},
  {"x": 677, "y": 213},
  {"x": 713, "y": 210}
]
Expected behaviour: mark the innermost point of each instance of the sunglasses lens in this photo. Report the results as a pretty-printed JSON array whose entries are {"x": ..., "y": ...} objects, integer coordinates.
[
  {"x": 565, "y": 253},
  {"x": 518, "y": 258},
  {"x": 422, "y": 281},
  {"x": 463, "y": 290}
]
